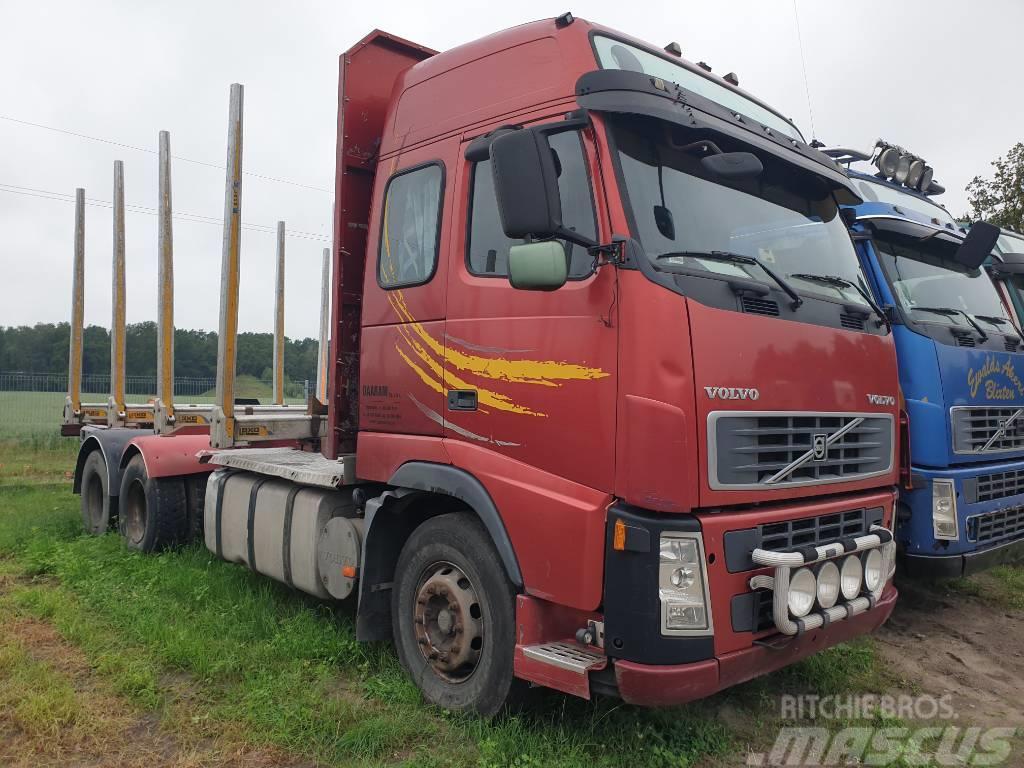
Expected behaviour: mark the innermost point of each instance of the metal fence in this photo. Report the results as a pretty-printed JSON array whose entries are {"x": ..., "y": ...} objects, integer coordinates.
[{"x": 33, "y": 403}]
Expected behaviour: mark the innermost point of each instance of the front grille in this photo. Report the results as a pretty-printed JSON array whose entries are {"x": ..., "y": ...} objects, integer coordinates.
[
  {"x": 811, "y": 531},
  {"x": 1011, "y": 343},
  {"x": 963, "y": 338},
  {"x": 790, "y": 534},
  {"x": 851, "y": 322},
  {"x": 973, "y": 428},
  {"x": 756, "y": 306},
  {"x": 995, "y": 526},
  {"x": 997, "y": 486},
  {"x": 778, "y": 449}
]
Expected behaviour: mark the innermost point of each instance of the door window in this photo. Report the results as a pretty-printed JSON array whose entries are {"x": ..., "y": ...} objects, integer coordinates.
[
  {"x": 411, "y": 228},
  {"x": 487, "y": 253}
]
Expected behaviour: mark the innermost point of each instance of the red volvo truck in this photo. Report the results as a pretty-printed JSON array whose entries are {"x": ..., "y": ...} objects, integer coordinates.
[{"x": 608, "y": 410}]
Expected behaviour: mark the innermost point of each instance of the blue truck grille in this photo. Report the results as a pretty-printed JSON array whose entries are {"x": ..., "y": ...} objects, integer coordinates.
[
  {"x": 998, "y": 485},
  {"x": 986, "y": 430},
  {"x": 998, "y": 525}
]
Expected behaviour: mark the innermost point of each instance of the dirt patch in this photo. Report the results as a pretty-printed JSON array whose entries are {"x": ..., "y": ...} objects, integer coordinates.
[
  {"x": 950, "y": 643},
  {"x": 90, "y": 725}
]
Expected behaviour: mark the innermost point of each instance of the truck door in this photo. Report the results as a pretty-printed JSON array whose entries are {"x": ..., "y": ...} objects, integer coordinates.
[
  {"x": 402, "y": 347},
  {"x": 530, "y": 375}
]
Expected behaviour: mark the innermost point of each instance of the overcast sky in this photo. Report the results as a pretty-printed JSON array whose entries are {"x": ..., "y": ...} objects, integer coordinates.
[{"x": 942, "y": 78}]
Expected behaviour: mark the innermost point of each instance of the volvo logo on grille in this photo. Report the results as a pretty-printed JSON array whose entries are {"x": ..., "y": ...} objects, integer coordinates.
[
  {"x": 732, "y": 393},
  {"x": 820, "y": 445},
  {"x": 881, "y": 399}
]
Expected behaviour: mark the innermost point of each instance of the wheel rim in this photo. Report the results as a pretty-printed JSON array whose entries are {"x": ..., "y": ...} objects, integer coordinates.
[
  {"x": 135, "y": 512},
  {"x": 448, "y": 621},
  {"x": 93, "y": 495}
]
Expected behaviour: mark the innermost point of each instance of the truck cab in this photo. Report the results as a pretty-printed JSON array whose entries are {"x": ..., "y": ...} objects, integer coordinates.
[
  {"x": 588, "y": 300},
  {"x": 608, "y": 410},
  {"x": 961, "y": 363}
]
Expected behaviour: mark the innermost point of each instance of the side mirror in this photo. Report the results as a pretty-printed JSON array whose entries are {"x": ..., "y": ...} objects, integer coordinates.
[
  {"x": 526, "y": 184},
  {"x": 733, "y": 165},
  {"x": 540, "y": 266},
  {"x": 978, "y": 245}
]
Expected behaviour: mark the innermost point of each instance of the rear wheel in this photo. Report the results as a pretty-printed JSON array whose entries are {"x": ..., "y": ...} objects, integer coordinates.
[
  {"x": 99, "y": 510},
  {"x": 453, "y": 613},
  {"x": 153, "y": 511}
]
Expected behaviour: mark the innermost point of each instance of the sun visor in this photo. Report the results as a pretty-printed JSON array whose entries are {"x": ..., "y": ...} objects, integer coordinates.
[{"x": 635, "y": 93}]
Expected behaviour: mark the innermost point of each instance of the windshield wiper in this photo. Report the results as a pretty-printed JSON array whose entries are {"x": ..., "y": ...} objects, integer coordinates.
[
  {"x": 993, "y": 319},
  {"x": 738, "y": 258},
  {"x": 951, "y": 312},
  {"x": 841, "y": 282}
]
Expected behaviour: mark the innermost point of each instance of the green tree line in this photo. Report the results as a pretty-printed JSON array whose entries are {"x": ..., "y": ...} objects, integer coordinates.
[{"x": 43, "y": 348}]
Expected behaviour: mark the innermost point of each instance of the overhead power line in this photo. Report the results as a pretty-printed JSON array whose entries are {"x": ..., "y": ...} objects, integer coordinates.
[
  {"x": 113, "y": 143},
  {"x": 196, "y": 218}
]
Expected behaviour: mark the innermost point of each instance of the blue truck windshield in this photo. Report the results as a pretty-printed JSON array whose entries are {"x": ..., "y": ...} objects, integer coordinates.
[
  {"x": 615, "y": 54},
  {"x": 922, "y": 284}
]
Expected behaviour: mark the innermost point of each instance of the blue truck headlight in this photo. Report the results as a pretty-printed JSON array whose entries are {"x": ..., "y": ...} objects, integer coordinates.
[
  {"x": 682, "y": 586},
  {"x": 944, "y": 510}
]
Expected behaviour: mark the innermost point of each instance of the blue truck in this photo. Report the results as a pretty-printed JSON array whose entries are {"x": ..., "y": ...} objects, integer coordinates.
[{"x": 961, "y": 367}]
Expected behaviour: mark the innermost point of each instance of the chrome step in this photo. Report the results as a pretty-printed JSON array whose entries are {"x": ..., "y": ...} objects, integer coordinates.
[{"x": 565, "y": 655}]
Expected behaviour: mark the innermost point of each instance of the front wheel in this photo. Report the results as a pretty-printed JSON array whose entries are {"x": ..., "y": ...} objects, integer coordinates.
[
  {"x": 453, "y": 613},
  {"x": 153, "y": 511}
]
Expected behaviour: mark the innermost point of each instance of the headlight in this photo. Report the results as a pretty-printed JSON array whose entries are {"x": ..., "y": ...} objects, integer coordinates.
[
  {"x": 873, "y": 570},
  {"x": 926, "y": 179},
  {"x": 850, "y": 577},
  {"x": 681, "y": 585},
  {"x": 887, "y": 161},
  {"x": 803, "y": 589},
  {"x": 828, "y": 585},
  {"x": 915, "y": 173},
  {"x": 944, "y": 510}
]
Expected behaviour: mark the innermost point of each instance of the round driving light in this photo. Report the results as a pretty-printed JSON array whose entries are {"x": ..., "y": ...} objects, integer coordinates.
[
  {"x": 828, "y": 585},
  {"x": 926, "y": 179},
  {"x": 802, "y": 590},
  {"x": 887, "y": 161},
  {"x": 915, "y": 173},
  {"x": 873, "y": 570},
  {"x": 902, "y": 169},
  {"x": 683, "y": 578},
  {"x": 850, "y": 577}
]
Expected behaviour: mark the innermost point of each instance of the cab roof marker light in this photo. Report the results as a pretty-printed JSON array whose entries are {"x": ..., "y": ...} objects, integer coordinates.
[
  {"x": 732, "y": 78},
  {"x": 674, "y": 49}
]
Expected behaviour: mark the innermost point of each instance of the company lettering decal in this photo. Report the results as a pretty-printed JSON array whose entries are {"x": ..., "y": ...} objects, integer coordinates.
[
  {"x": 732, "y": 393},
  {"x": 881, "y": 399},
  {"x": 988, "y": 375}
]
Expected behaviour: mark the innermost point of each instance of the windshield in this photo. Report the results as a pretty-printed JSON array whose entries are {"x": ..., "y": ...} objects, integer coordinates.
[
  {"x": 882, "y": 193},
  {"x": 787, "y": 219},
  {"x": 614, "y": 54},
  {"x": 1009, "y": 243},
  {"x": 923, "y": 283}
]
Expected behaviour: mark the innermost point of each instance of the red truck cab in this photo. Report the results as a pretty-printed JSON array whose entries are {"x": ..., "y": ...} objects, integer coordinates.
[{"x": 700, "y": 405}]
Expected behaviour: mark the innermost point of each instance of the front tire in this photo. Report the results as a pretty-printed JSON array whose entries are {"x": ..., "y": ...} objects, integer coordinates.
[
  {"x": 153, "y": 511},
  {"x": 99, "y": 509},
  {"x": 453, "y": 613}
]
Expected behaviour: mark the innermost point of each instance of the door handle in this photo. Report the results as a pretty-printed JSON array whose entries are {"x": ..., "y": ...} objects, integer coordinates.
[{"x": 462, "y": 400}]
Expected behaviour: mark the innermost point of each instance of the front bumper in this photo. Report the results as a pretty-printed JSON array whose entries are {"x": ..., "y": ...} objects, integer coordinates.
[
  {"x": 666, "y": 685},
  {"x": 956, "y": 566},
  {"x": 982, "y": 540}
]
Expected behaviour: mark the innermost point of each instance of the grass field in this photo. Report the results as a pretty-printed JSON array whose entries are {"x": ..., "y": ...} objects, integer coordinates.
[{"x": 194, "y": 661}]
